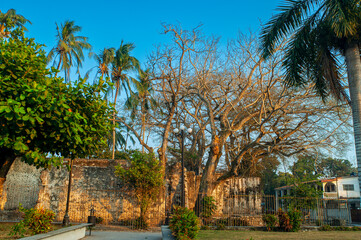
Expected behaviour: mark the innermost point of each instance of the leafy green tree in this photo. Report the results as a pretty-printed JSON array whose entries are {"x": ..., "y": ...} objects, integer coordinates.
[
  {"x": 318, "y": 31},
  {"x": 305, "y": 168},
  {"x": 42, "y": 117},
  {"x": 334, "y": 167},
  {"x": 268, "y": 174},
  {"x": 309, "y": 167},
  {"x": 142, "y": 179},
  {"x": 122, "y": 64},
  {"x": 69, "y": 48}
]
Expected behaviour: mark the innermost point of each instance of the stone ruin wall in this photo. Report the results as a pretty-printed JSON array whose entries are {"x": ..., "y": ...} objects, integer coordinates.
[{"x": 95, "y": 185}]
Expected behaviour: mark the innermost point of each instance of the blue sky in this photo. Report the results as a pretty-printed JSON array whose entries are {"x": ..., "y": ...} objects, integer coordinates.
[{"x": 139, "y": 21}]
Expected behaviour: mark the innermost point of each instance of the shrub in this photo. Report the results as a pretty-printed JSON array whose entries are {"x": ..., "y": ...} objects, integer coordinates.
[
  {"x": 209, "y": 207},
  {"x": 99, "y": 220},
  {"x": 36, "y": 220},
  {"x": 338, "y": 228},
  {"x": 270, "y": 220},
  {"x": 284, "y": 220},
  {"x": 221, "y": 224},
  {"x": 325, "y": 228},
  {"x": 295, "y": 217},
  {"x": 184, "y": 224}
]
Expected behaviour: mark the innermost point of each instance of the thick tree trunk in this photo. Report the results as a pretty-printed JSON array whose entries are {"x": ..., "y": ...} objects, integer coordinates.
[
  {"x": 206, "y": 185},
  {"x": 353, "y": 62},
  {"x": 7, "y": 158}
]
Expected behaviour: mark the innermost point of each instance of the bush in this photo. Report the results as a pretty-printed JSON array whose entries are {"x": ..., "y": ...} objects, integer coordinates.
[
  {"x": 99, "y": 220},
  {"x": 284, "y": 221},
  {"x": 36, "y": 220},
  {"x": 325, "y": 228},
  {"x": 338, "y": 228},
  {"x": 209, "y": 207},
  {"x": 221, "y": 224},
  {"x": 295, "y": 217},
  {"x": 184, "y": 224},
  {"x": 270, "y": 220}
]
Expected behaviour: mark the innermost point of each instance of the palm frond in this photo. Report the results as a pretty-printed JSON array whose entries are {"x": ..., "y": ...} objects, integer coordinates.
[{"x": 292, "y": 14}]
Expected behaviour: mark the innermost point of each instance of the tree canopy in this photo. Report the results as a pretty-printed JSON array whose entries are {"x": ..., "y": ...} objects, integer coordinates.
[{"x": 42, "y": 117}]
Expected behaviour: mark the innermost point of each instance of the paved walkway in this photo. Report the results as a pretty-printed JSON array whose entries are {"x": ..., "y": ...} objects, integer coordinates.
[{"x": 112, "y": 235}]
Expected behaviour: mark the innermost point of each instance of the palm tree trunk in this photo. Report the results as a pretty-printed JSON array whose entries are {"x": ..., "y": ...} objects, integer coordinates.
[
  {"x": 115, "y": 102},
  {"x": 58, "y": 67},
  {"x": 143, "y": 123},
  {"x": 353, "y": 62}
]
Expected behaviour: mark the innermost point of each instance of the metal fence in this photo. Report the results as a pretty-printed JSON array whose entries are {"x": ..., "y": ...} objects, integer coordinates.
[
  {"x": 112, "y": 206},
  {"x": 318, "y": 211},
  {"x": 14, "y": 195}
]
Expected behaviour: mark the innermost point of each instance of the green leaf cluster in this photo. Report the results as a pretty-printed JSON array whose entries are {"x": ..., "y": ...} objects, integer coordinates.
[
  {"x": 36, "y": 220},
  {"x": 209, "y": 207},
  {"x": 41, "y": 117},
  {"x": 184, "y": 224},
  {"x": 270, "y": 221}
]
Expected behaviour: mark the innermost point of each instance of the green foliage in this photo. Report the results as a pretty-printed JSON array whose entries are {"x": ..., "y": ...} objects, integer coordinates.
[
  {"x": 325, "y": 228},
  {"x": 284, "y": 221},
  {"x": 290, "y": 221},
  {"x": 333, "y": 167},
  {"x": 209, "y": 207},
  {"x": 338, "y": 228},
  {"x": 295, "y": 219},
  {"x": 184, "y": 224},
  {"x": 305, "y": 168},
  {"x": 10, "y": 23},
  {"x": 36, "y": 220},
  {"x": 309, "y": 167},
  {"x": 40, "y": 115},
  {"x": 142, "y": 179},
  {"x": 99, "y": 220},
  {"x": 221, "y": 224},
  {"x": 270, "y": 220}
]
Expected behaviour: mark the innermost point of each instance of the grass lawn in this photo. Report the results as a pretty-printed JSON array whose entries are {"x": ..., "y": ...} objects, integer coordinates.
[
  {"x": 259, "y": 235},
  {"x": 5, "y": 229}
]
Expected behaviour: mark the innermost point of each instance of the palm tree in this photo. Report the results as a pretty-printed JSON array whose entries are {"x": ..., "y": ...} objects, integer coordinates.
[
  {"x": 142, "y": 98},
  {"x": 103, "y": 59},
  {"x": 69, "y": 48},
  {"x": 318, "y": 30},
  {"x": 122, "y": 64},
  {"x": 10, "y": 20}
]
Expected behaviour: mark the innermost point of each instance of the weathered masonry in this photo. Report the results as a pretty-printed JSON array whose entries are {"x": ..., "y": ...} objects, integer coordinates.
[{"x": 94, "y": 185}]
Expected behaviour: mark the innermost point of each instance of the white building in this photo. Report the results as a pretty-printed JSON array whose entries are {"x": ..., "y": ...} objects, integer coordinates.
[
  {"x": 339, "y": 188},
  {"x": 339, "y": 196}
]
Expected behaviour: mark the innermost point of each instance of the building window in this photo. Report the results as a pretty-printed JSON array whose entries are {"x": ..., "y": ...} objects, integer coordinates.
[
  {"x": 348, "y": 187},
  {"x": 330, "y": 187}
]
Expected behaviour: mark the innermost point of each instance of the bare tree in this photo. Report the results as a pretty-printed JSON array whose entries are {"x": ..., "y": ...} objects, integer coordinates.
[{"x": 237, "y": 105}]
